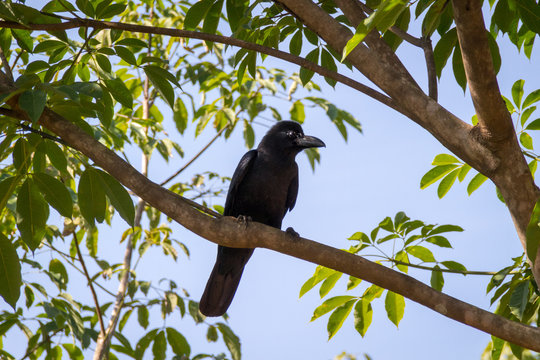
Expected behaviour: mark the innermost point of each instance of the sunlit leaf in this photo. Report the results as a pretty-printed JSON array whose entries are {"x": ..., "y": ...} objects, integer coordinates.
[
  {"x": 10, "y": 272},
  {"x": 395, "y": 307},
  {"x": 336, "y": 319}
]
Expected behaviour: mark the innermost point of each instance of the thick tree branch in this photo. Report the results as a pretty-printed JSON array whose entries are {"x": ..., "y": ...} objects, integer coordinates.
[
  {"x": 496, "y": 130},
  {"x": 77, "y": 23},
  {"x": 486, "y": 96},
  {"x": 453, "y": 133},
  {"x": 226, "y": 231}
]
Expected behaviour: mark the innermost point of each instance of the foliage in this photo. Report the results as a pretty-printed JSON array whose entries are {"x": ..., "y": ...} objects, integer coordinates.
[
  {"x": 112, "y": 84},
  {"x": 407, "y": 244},
  {"x": 118, "y": 86},
  {"x": 403, "y": 243}
]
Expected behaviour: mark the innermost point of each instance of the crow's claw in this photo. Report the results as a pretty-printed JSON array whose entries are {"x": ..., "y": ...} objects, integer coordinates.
[
  {"x": 293, "y": 233},
  {"x": 243, "y": 220}
]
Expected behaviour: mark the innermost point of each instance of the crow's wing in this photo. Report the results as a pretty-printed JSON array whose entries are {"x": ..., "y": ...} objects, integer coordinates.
[{"x": 242, "y": 169}]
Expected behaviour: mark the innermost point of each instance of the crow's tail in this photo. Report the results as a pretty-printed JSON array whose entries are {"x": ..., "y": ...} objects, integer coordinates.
[{"x": 224, "y": 280}]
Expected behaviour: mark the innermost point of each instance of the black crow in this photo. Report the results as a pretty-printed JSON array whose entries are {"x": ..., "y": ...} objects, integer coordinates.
[{"x": 263, "y": 188}]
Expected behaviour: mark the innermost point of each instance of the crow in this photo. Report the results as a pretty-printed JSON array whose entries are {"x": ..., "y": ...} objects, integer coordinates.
[{"x": 263, "y": 188}]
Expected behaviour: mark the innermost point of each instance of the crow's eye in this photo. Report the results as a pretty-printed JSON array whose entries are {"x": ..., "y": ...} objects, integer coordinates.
[{"x": 291, "y": 134}]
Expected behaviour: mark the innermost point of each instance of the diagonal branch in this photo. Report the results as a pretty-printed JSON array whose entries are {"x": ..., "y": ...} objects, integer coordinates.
[
  {"x": 226, "y": 231},
  {"x": 395, "y": 81}
]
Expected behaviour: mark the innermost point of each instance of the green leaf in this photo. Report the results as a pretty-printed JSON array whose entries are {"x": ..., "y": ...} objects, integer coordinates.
[
  {"x": 435, "y": 174},
  {"x": 33, "y": 102},
  {"x": 445, "y": 228},
  {"x": 517, "y": 92},
  {"x": 119, "y": 91},
  {"x": 118, "y": 197},
  {"x": 526, "y": 140},
  {"x": 249, "y": 134},
  {"x": 211, "y": 19},
  {"x": 519, "y": 299},
  {"x": 453, "y": 265},
  {"x": 180, "y": 115},
  {"x": 59, "y": 272},
  {"x": 7, "y": 187},
  {"x": 533, "y": 233},
  {"x": 439, "y": 241},
  {"x": 372, "y": 292},
  {"x": 358, "y": 37},
  {"x": 437, "y": 279},
  {"x": 56, "y": 156},
  {"x": 22, "y": 152},
  {"x": 142, "y": 316},
  {"x": 160, "y": 82},
  {"x": 421, "y": 253},
  {"x": 55, "y": 193},
  {"x": 329, "y": 283},
  {"x": 231, "y": 341},
  {"x": 494, "y": 50},
  {"x": 10, "y": 272},
  {"x": 297, "y": 112},
  {"x": 144, "y": 342},
  {"x": 321, "y": 273},
  {"x": 463, "y": 172},
  {"x": 530, "y": 14},
  {"x": 196, "y": 13},
  {"x": 446, "y": 183},
  {"x": 353, "y": 282},
  {"x": 32, "y": 214},
  {"x": 475, "y": 183},
  {"x": 305, "y": 74},
  {"x": 363, "y": 314},
  {"x": 444, "y": 159},
  {"x": 329, "y": 305},
  {"x": 73, "y": 351},
  {"x": 459, "y": 70},
  {"x": 295, "y": 45},
  {"x": 532, "y": 98},
  {"x": 160, "y": 346},
  {"x": 235, "y": 13},
  {"x": 91, "y": 196},
  {"x": 526, "y": 114},
  {"x": 23, "y": 38},
  {"x": 336, "y": 319},
  {"x": 125, "y": 54},
  {"x": 395, "y": 307},
  {"x": 112, "y": 10},
  {"x": 444, "y": 49},
  {"x": 178, "y": 343}
]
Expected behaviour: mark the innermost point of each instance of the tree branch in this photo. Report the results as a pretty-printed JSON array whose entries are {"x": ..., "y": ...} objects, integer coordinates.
[
  {"x": 76, "y": 23},
  {"x": 486, "y": 96},
  {"x": 226, "y": 231},
  {"x": 90, "y": 284}
]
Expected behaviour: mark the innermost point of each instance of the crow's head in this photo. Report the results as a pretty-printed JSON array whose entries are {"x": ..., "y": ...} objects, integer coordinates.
[{"x": 288, "y": 137}]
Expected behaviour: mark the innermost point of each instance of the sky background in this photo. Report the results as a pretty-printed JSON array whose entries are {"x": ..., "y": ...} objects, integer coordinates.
[{"x": 357, "y": 184}]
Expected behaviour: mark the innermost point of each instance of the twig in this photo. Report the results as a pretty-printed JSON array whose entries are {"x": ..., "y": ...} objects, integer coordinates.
[
  {"x": 16, "y": 115},
  {"x": 462, "y": 272},
  {"x": 5, "y": 64},
  {"x": 430, "y": 64},
  {"x": 94, "y": 295},
  {"x": 78, "y": 55},
  {"x": 68, "y": 257},
  {"x": 194, "y": 158}
]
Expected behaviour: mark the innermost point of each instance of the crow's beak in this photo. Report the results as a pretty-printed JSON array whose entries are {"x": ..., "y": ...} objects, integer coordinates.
[{"x": 309, "y": 142}]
